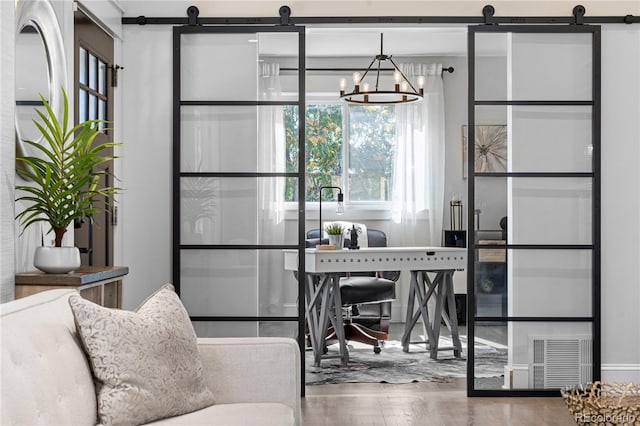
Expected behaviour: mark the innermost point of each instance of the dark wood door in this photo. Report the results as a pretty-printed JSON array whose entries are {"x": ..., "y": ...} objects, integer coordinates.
[{"x": 93, "y": 92}]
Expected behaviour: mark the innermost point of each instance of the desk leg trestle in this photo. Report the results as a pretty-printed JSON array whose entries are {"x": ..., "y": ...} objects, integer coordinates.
[
  {"x": 423, "y": 288},
  {"x": 324, "y": 307},
  {"x": 313, "y": 304}
]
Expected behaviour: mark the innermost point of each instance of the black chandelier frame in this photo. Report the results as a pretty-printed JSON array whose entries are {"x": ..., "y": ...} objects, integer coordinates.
[{"x": 382, "y": 97}]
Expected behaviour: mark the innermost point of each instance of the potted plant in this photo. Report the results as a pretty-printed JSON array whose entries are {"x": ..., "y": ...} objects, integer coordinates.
[
  {"x": 64, "y": 185},
  {"x": 486, "y": 285},
  {"x": 336, "y": 235}
]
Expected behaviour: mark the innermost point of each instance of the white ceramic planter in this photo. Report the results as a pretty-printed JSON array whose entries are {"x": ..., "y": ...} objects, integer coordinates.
[{"x": 56, "y": 260}]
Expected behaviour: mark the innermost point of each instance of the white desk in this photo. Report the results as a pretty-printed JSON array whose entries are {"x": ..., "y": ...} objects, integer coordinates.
[{"x": 323, "y": 303}]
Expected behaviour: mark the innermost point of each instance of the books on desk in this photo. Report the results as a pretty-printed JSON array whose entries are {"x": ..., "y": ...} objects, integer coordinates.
[
  {"x": 325, "y": 247},
  {"x": 491, "y": 255}
]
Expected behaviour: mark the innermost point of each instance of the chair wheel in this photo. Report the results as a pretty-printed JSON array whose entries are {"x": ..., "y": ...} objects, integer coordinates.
[{"x": 377, "y": 349}]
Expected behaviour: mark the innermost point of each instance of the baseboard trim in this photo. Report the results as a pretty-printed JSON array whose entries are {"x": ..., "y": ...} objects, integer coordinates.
[
  {"x": 621, "y": 373},
  {"x": 517, "y": 375}
]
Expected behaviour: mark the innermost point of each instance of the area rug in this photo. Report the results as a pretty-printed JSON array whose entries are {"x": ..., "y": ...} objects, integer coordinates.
[{"x": 393, "y": 365}]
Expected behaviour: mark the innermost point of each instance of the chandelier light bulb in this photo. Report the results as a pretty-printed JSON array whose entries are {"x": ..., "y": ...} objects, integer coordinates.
[
  {"x": 343, "y": 86},
  {"x": 397, "y": 77},
  {"x": 404, "y": 86},
  {"x": 356, "y": 77},
  {"x": 421, "y": 81},
  {"x": 365, "y": 87}
]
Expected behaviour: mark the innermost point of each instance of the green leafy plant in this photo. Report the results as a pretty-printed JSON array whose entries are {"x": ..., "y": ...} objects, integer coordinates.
[
  {"x": 64, "y": 173},
  {"x": 486, "y": 285},
  {"x": 334, "y": 229}
]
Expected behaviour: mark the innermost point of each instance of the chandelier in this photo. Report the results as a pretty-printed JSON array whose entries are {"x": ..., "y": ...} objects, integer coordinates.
[{"x": 403, "y": 91}]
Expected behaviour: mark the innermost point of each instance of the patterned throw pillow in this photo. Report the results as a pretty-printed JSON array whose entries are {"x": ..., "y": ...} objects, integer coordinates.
[{"x": 145, "y": 363}]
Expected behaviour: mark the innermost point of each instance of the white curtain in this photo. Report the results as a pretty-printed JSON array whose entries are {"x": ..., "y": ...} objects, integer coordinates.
[
  {"x": 271, "y": 158},
  {"x": 271, "y": 151},
  {"x": 418, "y": 179}
]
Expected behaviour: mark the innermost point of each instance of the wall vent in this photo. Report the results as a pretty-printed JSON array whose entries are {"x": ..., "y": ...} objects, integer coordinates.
[{"x": 559, "y": 361}]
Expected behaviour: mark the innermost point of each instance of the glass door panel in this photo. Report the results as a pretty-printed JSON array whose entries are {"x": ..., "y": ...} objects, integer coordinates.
[
  {"x": 550, "y": 210},
  {"x": 534, "y": 210},
  {"x": 560, "y": 65},
  {"x": 550, "y": 283},
  {"x": 550, "y": 138},
  {"x": 207, "y": 276},
  {"x": 534, "y": 138},
  {"x": 220, "y": 138},
  {"x": 537, "y": 356},
  {"x": 491, "y": 201},
  {"x": 260, "y": 286},
  {"x": 231, "y": 177},
  {"x": 533, "y": 66},
  {"x": 234, "y": 210},
  {"x": 532, "y": 149},
  {"x": 490, "y": 70},
  {"x": 233, "y": 67},
  {"x": 245, "y": 329}
]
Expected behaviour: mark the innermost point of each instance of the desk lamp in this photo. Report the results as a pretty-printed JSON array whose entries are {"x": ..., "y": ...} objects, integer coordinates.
[{"x": 339, "y": 208}]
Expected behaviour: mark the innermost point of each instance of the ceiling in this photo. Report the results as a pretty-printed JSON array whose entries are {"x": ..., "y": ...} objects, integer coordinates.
[
  {"x": 397, "y": 41},
  {"x": 355, "y": 41}
]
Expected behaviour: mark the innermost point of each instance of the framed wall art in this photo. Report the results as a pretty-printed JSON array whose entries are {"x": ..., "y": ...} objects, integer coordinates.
[{"x": 490, "y": 148}]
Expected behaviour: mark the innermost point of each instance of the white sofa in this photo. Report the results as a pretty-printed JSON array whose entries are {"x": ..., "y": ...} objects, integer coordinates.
[{"x": 46, "y": 378}]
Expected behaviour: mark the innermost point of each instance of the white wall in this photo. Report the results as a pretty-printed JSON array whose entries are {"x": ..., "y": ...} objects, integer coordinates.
[
  {"x": 7, "y": 151},
  {"x": 27, "y": 239},
  {"x": 146, "y": 207},
  {"x": 17, "y": 249},
  {"x": 146, "y": 118},
  {"x": 621, "y": 202}
]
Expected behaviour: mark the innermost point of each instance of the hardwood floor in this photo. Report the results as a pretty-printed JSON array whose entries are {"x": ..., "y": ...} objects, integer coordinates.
[{"x": 424, "y": 404}]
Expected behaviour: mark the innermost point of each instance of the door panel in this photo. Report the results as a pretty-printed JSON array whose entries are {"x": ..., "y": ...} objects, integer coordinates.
[
  {"x": 535, "y": 284},
  {"x": 231, "y": 69},
  {"x": 545, "y": 355},
  {"x": 539, "y": 66},
  {"x": 232, "y": 211},
  {"x": 93, "y": 94},
  {"x": 214, "y": 135},
  {"x": 230, "y": 176}
]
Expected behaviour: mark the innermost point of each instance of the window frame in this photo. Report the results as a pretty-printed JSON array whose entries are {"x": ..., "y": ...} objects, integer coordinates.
[{"x": 373, "y": 209}]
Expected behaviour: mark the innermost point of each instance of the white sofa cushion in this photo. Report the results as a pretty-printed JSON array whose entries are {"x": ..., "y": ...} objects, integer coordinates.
[
  {"x": 45, "y": 377},
  {"x": 146, "y": 363},
  {"x": 242, "y": 414}
]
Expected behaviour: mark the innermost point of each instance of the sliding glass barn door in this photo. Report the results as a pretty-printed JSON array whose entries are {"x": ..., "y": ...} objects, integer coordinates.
[
  {"x": 229, "y": 181},
  {"x": 534, "y": 167}
]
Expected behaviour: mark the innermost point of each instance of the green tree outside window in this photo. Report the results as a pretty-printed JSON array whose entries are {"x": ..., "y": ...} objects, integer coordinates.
[{"x": 369, "y": 162}]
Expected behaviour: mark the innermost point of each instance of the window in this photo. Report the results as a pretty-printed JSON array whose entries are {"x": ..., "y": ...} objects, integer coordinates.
[
  {"x": 92, "y": 88},
  {"x": 362, "y": 166}
]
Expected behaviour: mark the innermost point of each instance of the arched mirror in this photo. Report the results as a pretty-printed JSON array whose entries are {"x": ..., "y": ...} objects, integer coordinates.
[{"x": 40, "y": 68}]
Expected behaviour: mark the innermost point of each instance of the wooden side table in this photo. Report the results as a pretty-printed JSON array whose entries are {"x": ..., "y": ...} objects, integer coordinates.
[{"x": 100, "y": 284}]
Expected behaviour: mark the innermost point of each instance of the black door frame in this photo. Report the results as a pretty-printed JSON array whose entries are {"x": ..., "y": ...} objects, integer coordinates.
[
  {"x": 595, "y": 176},
  {"x": 300, "y": 174}
]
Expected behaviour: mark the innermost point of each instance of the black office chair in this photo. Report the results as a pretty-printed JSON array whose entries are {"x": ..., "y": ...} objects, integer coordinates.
[{"x": 366, "y": 297}]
